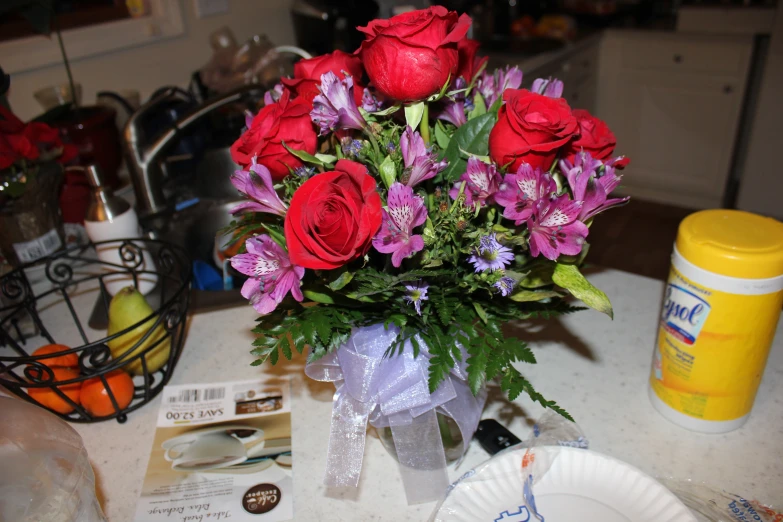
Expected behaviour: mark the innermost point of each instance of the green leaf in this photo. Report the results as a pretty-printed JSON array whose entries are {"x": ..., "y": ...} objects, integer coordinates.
[
  {"x": 441, "y": 137},
  {"x": 318, "y": 297},
  {"x": 304, "y": 156},
  {"x": 471, "y": 138},
  {"x": 480, "y": 311},
  {"x": 413, "y": 114},
  {"x": 308, "y": 331},
  {"x": 340, "y": 282},
  {"x": 388, "y": 171},
  {"x": 387, "y": 111},
  {"x": 569, "y": 277},
  {"x": 326, "y": 158},
  {"x": 479, "y": 107},
  {"x": 538, "y": 276},
  {"x": 524, "y": 296},
  {"x": 276, "y": 235},
  {"x": 496, "y": 106},
  {"x": 322, "y": 327}
]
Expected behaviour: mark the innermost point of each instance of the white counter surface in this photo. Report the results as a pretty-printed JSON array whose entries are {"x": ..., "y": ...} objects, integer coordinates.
[{"x": 594, "y": 367}]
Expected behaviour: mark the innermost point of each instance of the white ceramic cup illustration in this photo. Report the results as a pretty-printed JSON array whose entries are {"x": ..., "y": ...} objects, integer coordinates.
[{"x": 210, "y": 450}]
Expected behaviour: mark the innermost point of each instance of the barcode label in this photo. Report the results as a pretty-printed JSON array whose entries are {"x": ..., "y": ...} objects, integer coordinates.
[
  {"x": 207, "y": 394},
  {"x": 38, "y": 247}
]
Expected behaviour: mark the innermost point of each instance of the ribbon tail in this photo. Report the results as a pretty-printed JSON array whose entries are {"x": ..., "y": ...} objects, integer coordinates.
[
  {"x": 347, "y": 436},
  {"x": 421, "y": 458}
]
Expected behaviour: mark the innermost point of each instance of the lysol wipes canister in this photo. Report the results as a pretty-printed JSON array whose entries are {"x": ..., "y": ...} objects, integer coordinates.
[{"x": 720, "y": 310}]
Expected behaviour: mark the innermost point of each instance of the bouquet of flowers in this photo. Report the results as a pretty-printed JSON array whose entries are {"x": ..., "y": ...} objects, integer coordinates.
[{"x": 404, "y": 185}]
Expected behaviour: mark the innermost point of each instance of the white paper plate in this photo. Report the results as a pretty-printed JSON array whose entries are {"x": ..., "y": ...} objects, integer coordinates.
[{"x": 580, "y": 485}]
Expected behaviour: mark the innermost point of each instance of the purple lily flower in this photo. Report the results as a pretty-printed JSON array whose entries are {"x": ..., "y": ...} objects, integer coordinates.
[
  {"x": 520, "y": 192},
  {"x": 555, "y": 229},
  {"x": 492, "y": 86},
  {"x": 273, "y": 95},
  {"x": 370, "y": 103},
  {"x": 256, "y": 183},
  {"x": 491, "y": 255},
  {"x": 586, "y": 186},
  {"x": 505, "y": 285},
  {"x": 404, "y": 212},
  {"x": 416, "y": 294},
  {"x": 271, "y": 273},
  {"x": 335, "y": 108},
  {"x": 551, "y": 87},
  {"x": 483, "y": 181},
  {"x": 420, "y": 162}
]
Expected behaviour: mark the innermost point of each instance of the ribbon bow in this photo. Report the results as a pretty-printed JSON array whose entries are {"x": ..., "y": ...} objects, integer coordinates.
[{"x": 393, "y": 392}]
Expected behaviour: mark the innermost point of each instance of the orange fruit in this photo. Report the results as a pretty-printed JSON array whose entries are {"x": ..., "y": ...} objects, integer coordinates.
[
  {"x": 48, "y": 398},
  {"x": 95, "y": 396},
  {"x": 69, "y": 360}
]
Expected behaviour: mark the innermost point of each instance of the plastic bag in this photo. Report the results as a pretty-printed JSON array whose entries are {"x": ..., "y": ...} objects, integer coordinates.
[{"x": 711, "y": 505}]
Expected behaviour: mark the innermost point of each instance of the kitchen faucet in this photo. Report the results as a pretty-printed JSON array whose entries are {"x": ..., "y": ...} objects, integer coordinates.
[{"x": 144, "y": 159}]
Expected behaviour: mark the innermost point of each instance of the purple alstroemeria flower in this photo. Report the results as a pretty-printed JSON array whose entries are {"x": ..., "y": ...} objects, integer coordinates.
[
  {"x": 555, "y": 229},
  {"x": 272, "y": 96},
  {"x": 492, "y": 86},
  {"x": 256, "y": 183},
  {"x": 491, "y": 255},
  {"x": 549, "y": 87},
  {"x": 420, "y": 162},
  {"x": 271, "y": 274},
  {"x": 404, "y": 211},
  {"x": 416, "y": 294},
  {"x": 587, "y": 187},
  {"x": 483, "y": 181},
  {"x": 370, "y": 103},
  {"x": 505, "y": 285},
  {"x": 335, "y": 108},
  {"x": 453, "y": 108},
  {"x": 519, "y": 192}
]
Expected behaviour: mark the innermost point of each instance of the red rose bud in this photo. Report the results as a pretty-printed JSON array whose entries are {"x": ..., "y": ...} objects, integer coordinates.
[
  {"x": 307, "y": 74},
  {"x": 411, "y": 56},
  {"x": 469, "y": 63},
  {"x": 333, "y": 217},
  {"x": 285, "y": 121},
  {"x": 530, "y": 129},
  {"x": 594, "y": 137}
]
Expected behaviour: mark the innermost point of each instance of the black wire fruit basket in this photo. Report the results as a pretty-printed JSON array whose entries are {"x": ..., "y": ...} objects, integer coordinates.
[{"x": 64, "y": 300}]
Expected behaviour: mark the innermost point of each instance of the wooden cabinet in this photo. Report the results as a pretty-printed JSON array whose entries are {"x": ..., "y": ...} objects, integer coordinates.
[{"x": 674, "y": 104}]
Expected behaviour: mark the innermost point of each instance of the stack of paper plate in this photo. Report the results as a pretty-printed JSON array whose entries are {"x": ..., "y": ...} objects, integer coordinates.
[{"x": 574, "y": 485}]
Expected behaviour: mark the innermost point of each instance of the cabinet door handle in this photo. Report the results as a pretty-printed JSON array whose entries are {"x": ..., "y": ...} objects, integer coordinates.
[
  {"x": 677, "y": 58},
  {"x": 728, "y": 89}
]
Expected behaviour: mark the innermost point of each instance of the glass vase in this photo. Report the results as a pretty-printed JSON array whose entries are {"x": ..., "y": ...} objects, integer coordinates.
[{"x": 450, "y": 434}]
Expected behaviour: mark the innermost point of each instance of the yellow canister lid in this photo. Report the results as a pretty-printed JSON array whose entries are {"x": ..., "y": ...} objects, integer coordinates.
[{"x": 732, "y": 243}]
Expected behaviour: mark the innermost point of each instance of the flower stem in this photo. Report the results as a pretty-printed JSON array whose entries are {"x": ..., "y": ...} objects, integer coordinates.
[
  {"x": 375, "y": 147},
  {"x": 424, "y": 126}
]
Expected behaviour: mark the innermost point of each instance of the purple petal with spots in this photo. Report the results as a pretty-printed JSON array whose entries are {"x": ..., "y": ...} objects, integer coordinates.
[
  {"x": 271, "y": 274},
  {"x": 404, "y": 211},
  {"x": 519, "y": 192},
  {"x": 335, "y": 107},
  {"x": 482, "y": 182},
  {"x": 554, "y": 228}
]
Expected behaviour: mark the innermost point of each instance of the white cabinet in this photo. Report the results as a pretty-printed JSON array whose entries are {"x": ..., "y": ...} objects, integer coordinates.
[{"x": 674, "y": 103}]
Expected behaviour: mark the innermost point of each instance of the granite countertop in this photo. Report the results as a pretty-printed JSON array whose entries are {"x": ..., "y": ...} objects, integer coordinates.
[{"x": 596, "y": 368}]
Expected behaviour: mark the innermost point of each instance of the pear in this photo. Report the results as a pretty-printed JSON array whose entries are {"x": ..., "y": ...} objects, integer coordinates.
[{"x": 127, "y": 308}]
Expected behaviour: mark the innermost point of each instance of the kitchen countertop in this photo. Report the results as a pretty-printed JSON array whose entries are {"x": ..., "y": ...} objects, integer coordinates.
[{"x": 596, "y": 368}]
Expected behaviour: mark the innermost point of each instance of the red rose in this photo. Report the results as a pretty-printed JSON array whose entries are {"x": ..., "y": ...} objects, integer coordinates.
[
  {"x": 530, "y": 128},
  {"x": 285, "y": 121},
  {"x": 411, "y": 56},
  {"x": 469, "y": 63},
  {"x": 307, "y": 74},
  {"x": 333, "y": 217},
  {"x": 594, "y": 137}
]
